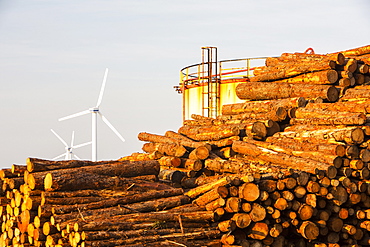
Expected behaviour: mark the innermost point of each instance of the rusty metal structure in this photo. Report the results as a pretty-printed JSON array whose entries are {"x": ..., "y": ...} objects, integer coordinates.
[{"x": 208, "y": 85}]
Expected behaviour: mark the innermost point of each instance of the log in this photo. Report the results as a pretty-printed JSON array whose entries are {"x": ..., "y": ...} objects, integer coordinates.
[
  {"x": 155, "y": 238},
  {"x": 338, "y": 57},
  {"x": 262, "y": 105},
  {"x": 38, "y": 165},
  {"x": 349, "y": 135},
  {"x": 290, "y": 69},
  {"x": 192, "y": 193},
  {"x": 334, "y": 160},
  {"x": 80, "y": 181},
  {"x": 242, "y": 220},
  {"x": 185, "y": 141},
  {"x": 55, "y": 179},
  {"x": 208, "y": 133},
  {"x": 171, "y": 175},
  {"x": 316, "y": 77},
  {"x": 258, "y": 231},
  {"x": 111, "y": 202},
  {"x": 170, "y": 161},
  {"x": 347, "y": 118},
  {"x": 170, "y": 149},
  {"x": 146, "y": 206},
  {"x": 249, "y": 192},
  {"x": 355, "y": 94},
  {"x": 309, "y": 230},
  {"x": 192, "y": 164},
  {"x": 155, "y": 155},
  {"x": 269, "y": 91},
  {"x": 284, "y": 160},
  {"x": 296, "y": 145},
  {"x": 199, "y": 153},
  {"x": 356, "y": 51}
]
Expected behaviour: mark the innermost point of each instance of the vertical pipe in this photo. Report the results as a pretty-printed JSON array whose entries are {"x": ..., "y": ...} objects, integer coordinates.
[{"x": 94, "y": 144}]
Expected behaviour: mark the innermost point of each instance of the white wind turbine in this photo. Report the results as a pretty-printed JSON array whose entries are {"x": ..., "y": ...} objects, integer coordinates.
[
  {"x": 69, "y": 154},
  {"x": 94, "y": 113}
]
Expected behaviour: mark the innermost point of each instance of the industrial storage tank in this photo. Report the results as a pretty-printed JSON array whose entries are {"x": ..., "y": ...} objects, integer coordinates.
[{"x": 206, "y": 86}]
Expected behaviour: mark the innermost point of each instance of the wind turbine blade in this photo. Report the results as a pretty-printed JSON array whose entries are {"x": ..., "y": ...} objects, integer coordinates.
[
  {"x": 59, "y": 156},
  {"x": 74, "y": 115},
  {"x": 60, "y": 138},
  {"x": 82, "y": 145},
  {"x": 76, "y": 156},
  {"x": 105, "y": 120},
  {"x": 102, "y": 88},
  {"x": 73, "y": 138}
]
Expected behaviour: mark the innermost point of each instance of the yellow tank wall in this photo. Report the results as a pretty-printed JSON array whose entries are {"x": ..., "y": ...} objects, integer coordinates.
[
  {"x": 193, "y": 99},
  {"x": 192, "y": 102},
  {"x": 228, "y": 95}
]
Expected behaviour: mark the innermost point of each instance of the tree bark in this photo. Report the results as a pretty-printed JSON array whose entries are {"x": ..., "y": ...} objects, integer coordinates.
[
  {"x": 296, "y": 145},
  {"x": 317, "y": 77},
  {"x": 111, "y": 202},
  {"x": 208, "y": 133},
  {"x": 170, "y": 149},
  {"x": 348, "y": 134},
  {"x": 262, "y": 105},
  {"x": 282, "y": 159},
  {"x": 270, "y": 91},
  {"x": 54, "y": 179}
]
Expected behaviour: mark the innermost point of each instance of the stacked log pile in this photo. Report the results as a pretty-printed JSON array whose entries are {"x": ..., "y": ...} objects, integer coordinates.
[
  {"x": 300, "y": 146},
  {"x": 288, "y": 167},
  {"x": 111, "y": 203}
]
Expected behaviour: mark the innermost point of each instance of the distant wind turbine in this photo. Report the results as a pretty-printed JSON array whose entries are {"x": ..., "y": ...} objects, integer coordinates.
[
  {"x": 69, "y": 154},
  {"x": 94, "y": 112}
]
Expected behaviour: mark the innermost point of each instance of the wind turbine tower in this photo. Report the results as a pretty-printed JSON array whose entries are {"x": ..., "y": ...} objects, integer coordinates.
[{"x": 94, "y": 120}]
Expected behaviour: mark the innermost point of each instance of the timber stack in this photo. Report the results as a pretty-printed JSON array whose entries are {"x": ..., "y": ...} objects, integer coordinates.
[
  {"x": 287, "y": 167},
  {"x": 110, "y": 203}
]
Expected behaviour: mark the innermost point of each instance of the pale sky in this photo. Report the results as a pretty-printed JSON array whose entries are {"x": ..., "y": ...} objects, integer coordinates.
[{"x": 53, "y": 55}]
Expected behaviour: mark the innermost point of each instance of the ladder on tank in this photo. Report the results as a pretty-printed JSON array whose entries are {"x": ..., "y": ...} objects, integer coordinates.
[{"x": 211, "y": 82}]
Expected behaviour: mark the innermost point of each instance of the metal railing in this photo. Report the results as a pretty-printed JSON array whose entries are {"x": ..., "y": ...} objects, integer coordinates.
[{"x": 197, "y": 74}]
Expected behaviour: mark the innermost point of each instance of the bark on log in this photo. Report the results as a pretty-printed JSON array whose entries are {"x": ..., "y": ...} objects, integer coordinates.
[
  {"x": 199, "y": 153},
  {"x": 185, "y": 141},
  {"x": 318, "y": 77},
  {"x": 170, "y": 149},
  {"x": 155, "y": 155},
  {"x": 111, "y": 202},
  {"x": 349, "y": 135},
  {"x": 334, "y": 160},
  {"x": 338, "y": 57},
  {"x": 282, "y": 159},
  {"x": 156, "y": 238},
  {"x": 290, "y": 69},
  {"x": 80, "y": 181},
  {"x": 38, "y": 165},
  {"x": 277, "y": 114},
  {"x": 54, "y": 179},
  {"x": 104, "y": 213},
  {"x": 192, "y": 193},
  {"x": 293, "y": 144},
  {"x": 328, "y": 116},
  {"x": 262, "y": 106},
  {"x": 356, "y": 51},
  {"x": 208, "y": 133},
  {"x": 355, "y": 94},
  {"x": 269, "y": 91}
]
